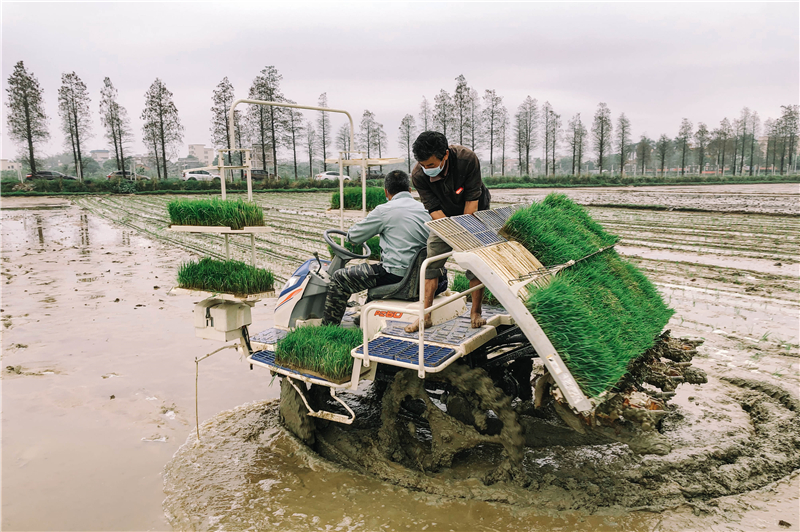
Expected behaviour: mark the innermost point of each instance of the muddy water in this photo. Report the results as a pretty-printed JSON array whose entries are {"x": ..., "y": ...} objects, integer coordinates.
[
  {"x": 101, "y": 391},
  {"x": 247, "y": 473},
  {"x": 75, "y": 459}
]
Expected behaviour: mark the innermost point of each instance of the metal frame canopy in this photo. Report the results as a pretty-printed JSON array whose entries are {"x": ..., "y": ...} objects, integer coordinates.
[{"x": 232, "y": 141}]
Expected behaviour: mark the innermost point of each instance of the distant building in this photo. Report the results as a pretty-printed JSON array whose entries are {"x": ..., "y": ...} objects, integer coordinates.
[
  {"x": 5, "y": 164},
  {"x": 100, "y": 156},
  {"x": 203, "y": 154}
]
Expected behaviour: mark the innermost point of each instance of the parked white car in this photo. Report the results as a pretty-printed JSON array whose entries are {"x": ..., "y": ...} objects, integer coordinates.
[
  {"x": 198, "y": 175},
  {"x": 330, "y": 176}
]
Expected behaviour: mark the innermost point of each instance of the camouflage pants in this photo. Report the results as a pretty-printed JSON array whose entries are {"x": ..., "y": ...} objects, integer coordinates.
[{"x": 348, "y": 281}]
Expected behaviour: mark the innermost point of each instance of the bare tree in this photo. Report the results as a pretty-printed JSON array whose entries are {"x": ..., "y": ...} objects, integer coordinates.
[
  {"x": 526, "y": 125},
  {"x": 425, "y": 115},
  {"x": 343, "y": 143},
  {"x": 663, "y": 146},
  {"x": 623, "y": 141},
  {"x": 161, "y": 121},
  {"x": 311, "y": 144},
  {"x": 601, "y": 133},
  {"x": 576, "y": 140},
  {"x": 788, "y": 125},
  {"x": 150, "y": 138},
  {"x": 475, "y": 129},
  {"x": 755, "y": 129},
  {"x": 293, "y": 131},
  {"x": 745, "y": 122},
  {"x": 684, "y": 141},
  {"x": 221, "y": 101},
  {"x": 442, "y": 112},
  {"x": 380, "y": 142},
  {"x": 367, "y": 132},
  {"x": 736, "y": 133},
  {"x": 551, "y": 126},
  {"x": 502, "y": 138},
  {"x": 491, "y": 116},
  {"x": 406, "y": 138},
  {"x": 27, "y": 121},
  {"x": 114, "y": 118},
  {"x": 725, "y": 132},
  {"x": 324, "y": 125},
  {"x": 547, "y": 112},
  {"x": 266, "y": 121},
  {"x": 461, "y": 109},
  {"x": 73, "y": 108},
  {"x": 644, "y": 150},
  {"x": 701, "y": 139}
]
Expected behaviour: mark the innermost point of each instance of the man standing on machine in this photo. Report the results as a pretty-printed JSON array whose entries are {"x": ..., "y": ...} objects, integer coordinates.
[
  {"x": 400, "y": 222},
  {"x": 448, "y": 179}
]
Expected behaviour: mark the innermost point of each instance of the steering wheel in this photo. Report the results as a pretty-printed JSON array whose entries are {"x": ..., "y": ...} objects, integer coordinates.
[{"x": 342, "y": 251}]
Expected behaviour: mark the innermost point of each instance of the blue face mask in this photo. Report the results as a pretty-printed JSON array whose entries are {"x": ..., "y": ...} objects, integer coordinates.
[{"x": 433, "y": 172}]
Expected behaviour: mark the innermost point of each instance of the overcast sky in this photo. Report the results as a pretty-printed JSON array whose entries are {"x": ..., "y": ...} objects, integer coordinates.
[{"x": 655, "y": 62}]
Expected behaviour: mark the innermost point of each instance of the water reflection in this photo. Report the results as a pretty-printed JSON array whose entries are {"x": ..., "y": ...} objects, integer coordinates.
[
  {"x": 84, "y": 230},
  {"x": 39, "y": 230}
]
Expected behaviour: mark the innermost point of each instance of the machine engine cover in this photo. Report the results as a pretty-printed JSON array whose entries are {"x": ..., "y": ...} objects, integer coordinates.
[{"x": 215, "y": 319}]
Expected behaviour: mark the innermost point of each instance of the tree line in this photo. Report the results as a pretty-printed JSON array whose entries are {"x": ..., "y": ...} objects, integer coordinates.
[
  {"x": 484, "y": 123},
  {"x": 480, "y": 122}
]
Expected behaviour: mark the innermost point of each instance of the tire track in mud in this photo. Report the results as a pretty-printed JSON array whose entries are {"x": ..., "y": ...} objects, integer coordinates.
[{"x": 731, "y": 438}]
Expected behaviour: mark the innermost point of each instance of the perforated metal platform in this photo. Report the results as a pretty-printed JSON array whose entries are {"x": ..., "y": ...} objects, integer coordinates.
[
  {"x": 464, "y": 232},
  {"x": 270, "y": 336},
  {"x": 268, "y": 358},
  {"x": 495, "y": 219},
  {"x": 405, "y": 351},
  {"x": 454, "y": 332}
]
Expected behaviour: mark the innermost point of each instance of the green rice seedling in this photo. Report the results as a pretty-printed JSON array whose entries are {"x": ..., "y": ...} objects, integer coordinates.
[
  {"x": 235, "y": 214},
  {"x": 461, "y": 283},
  {"x": 228, "y": 276},
  {"x": 602, "y": 312},
  {"x": 352, "y": 198},
  {"x": 324, "y": 350},
  {"x": 374, "y": 244}
]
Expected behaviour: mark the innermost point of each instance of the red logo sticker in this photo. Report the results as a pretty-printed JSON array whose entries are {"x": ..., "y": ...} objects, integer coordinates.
[
  {"x": 388, "y": 314},
  {"x": 460, "y": 190}
]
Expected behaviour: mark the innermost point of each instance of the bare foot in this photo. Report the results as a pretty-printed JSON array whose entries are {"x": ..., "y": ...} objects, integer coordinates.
[
  {"x": 477, "y": 320},
  {"x": 414, "y": 327}
]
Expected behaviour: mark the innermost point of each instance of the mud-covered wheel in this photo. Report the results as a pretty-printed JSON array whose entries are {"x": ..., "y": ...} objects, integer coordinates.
[
  {"x": 293, "y": 411},
  {"x": 451, "y": 433}
]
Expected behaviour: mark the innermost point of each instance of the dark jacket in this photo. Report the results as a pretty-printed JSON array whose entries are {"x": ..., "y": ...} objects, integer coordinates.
[{"x": 459, "y": 182}]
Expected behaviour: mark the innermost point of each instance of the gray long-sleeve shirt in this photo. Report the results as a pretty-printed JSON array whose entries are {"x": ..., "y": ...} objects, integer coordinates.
[{"x": 401, "y": 224}]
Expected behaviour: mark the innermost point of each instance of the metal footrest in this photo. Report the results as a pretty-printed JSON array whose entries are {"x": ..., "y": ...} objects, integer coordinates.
[
  {"x": 385, "y": 349},
  {"x": 267, "y": 358}
]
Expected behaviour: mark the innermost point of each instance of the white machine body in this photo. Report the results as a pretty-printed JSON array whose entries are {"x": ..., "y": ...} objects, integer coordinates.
[{"x": 215, "y": 319}]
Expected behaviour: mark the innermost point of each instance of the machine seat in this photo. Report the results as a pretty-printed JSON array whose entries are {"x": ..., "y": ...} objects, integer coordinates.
[{"x": 406, "y": 289}]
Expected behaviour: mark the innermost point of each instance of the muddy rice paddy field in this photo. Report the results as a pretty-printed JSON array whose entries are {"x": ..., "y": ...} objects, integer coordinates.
[{"x": 98, "y": 382}]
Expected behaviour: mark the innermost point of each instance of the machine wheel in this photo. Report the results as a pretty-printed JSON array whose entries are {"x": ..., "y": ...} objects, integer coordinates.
[
  {"x": 463, "y": 427},
  {"x": 293, "y": 412}
]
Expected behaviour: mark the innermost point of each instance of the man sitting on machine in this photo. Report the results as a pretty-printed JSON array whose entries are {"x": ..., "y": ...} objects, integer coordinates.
[{"x": 400, "y": 222}]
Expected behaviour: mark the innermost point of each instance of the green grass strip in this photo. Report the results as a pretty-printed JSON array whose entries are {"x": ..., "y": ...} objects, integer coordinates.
[
  {"x": 352, "y": 198},
  {"x": 323, "y": 350},
  {"x": 235, "y": 214},
  {"x": 228, "y": 276},
  {"x": 601, "y": 313}
]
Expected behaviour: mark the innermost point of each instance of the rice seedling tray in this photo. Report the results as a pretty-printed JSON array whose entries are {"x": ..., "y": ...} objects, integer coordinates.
[
  {"x": 219, "y": 229},
  {"x": 225, "y": 277}
]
